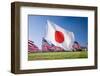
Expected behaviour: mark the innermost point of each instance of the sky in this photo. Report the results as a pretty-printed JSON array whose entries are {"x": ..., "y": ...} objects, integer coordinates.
[{"x": 37, "y": 27}]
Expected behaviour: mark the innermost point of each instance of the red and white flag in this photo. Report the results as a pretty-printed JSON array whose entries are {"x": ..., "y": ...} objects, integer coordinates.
[{"x": 59, "y": 36}]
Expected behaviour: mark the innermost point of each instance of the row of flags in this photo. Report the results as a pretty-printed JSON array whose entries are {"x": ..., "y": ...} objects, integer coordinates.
[
  {"x": 49, "y": 47},
  {"x": 55, "y": 39},
  {"x": 46, "y": 46}
]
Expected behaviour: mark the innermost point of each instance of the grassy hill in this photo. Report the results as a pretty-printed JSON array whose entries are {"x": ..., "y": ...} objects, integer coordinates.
[{"x": 57, "y": 55}]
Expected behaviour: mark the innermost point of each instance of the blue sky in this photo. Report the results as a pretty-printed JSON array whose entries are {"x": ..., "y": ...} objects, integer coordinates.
[{"x": 77, "y": 25}]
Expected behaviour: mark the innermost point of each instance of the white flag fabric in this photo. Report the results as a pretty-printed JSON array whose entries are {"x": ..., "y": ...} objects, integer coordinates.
[{"x": 59, "y": 36}]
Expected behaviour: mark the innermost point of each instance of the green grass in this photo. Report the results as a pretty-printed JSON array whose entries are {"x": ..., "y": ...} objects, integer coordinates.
[{"x": 57, "y": 55}]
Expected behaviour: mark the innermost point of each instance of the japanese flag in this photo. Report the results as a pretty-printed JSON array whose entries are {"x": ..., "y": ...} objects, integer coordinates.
[{"x": 59, "y": 36}]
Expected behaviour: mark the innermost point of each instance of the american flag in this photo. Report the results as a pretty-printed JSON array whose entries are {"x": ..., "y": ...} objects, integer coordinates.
[
  {"x": 32, "y": 47},
  {"x": 76, "y": 45},
  {"x": 47, "y": 46}
]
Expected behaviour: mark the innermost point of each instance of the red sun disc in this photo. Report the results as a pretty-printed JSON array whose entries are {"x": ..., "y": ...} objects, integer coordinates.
[{"x": 59, "y": 37}]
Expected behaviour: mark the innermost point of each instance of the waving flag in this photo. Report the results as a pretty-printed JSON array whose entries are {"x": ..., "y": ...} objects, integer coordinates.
[
  {"x": 32, "y": 47},
  {"x": 45, "y": 45},
  {"x": 76, "y": 45},
  {"x": 59, "y": 36}
]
